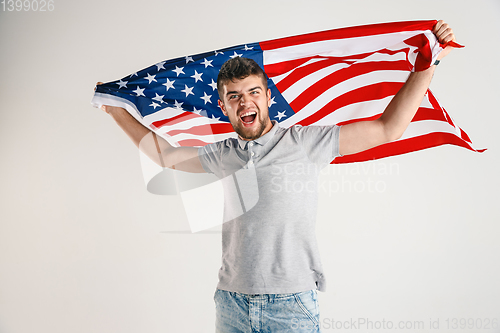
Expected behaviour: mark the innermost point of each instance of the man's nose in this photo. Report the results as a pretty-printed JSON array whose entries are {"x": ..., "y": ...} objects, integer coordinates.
[{"x": 243, "y": 100}]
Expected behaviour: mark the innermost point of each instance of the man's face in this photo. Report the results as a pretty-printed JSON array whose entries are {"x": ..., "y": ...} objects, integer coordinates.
[{"x": 245, "y": 103}]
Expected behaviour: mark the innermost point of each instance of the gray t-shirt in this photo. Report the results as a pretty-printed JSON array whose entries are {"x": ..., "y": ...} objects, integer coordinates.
[{"x": 271, "y": 247}]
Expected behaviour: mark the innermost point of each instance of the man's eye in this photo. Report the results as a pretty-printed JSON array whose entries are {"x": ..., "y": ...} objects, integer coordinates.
[{"x": 233, "y": 96}]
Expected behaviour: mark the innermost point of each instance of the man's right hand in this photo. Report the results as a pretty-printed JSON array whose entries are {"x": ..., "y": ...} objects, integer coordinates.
[{"x": 108, "y": 108}]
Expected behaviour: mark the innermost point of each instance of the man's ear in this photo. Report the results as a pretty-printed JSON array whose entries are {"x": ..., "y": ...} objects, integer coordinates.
[
  {"x": 268, "y": 98},
  {"x": 221, "y": 105}
]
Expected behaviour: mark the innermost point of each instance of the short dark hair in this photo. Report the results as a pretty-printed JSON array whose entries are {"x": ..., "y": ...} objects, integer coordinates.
[{"x": 238, "y": 68}]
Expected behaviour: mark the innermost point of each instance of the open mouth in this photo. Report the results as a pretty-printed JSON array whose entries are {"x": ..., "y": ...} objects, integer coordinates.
[{"x": 248, "y": 117}]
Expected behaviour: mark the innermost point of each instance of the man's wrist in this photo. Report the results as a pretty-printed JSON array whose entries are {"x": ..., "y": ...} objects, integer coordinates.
[{"x": 115, "y": 111}]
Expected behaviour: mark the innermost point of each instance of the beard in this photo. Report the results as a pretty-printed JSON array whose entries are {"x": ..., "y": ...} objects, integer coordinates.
[{"x": 250, "y": 134}]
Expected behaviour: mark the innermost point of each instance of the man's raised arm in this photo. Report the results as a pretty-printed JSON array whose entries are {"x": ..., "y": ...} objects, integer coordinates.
[
  {"x": 390, "y": 126},
  {"x": 155, "y": 147}
]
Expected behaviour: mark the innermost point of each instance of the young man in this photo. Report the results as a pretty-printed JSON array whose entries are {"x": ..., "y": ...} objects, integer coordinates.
[{"x": 270, "y": 263}]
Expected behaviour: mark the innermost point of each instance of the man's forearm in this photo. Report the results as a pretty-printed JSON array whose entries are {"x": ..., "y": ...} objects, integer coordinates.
[
  {"x": 128, "y": 124},
  {"x": 401, "y": 110},
  {"x": 144, "y": 139}
]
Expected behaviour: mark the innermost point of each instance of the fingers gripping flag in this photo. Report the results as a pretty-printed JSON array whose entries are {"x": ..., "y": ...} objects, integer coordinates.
[{"x": 330, "y": 77}]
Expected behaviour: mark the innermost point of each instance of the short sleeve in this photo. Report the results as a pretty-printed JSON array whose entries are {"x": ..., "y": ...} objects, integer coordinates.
[
  {"x": 320, "y": 143},
  {"x": 209, "y": 156}
]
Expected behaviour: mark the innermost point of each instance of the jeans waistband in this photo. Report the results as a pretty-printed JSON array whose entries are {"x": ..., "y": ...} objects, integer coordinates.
[{"x": 268, "y": 297}]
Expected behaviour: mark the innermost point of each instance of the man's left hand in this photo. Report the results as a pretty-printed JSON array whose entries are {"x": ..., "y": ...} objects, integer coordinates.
[{"x": 444, "y": 34}]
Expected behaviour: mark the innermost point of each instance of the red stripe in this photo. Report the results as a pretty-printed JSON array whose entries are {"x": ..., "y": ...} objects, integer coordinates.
[
  {"x": 405, "y": 146},
  {"x": 453, "y": 44},
  {"x": 283, "y": 67},
  {"x": 350, "y": 32},
  {"x": 330, "y": 61},
  {"x": 436, "y": 106},
  {"x": 429, "y": 114},
  {"x": 204, "y": 130},
  {"x": 301, "y": 72},
  {"x": 424, "y": 56},
  {"x": 175, "y": 120},
  {"x": 341, "y": 75},
  {"x": 433, "y": 100},
  {"x": 422, "y": 114},
  {"x": 366, "y": 93},
  {"x": 350, "y": 121},
  {"x": 192, "y": 143},
  {"x": 465, "y": 136}
]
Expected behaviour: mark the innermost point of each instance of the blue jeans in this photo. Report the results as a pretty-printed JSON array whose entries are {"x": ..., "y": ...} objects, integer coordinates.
[{"x": 266, "y": 313}]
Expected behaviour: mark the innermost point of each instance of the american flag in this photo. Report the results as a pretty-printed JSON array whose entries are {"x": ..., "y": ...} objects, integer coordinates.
[{"x": 330, "y": 77}]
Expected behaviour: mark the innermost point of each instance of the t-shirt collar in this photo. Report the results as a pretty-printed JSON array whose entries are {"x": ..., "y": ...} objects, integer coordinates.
[{"x": 263, "y": 139}]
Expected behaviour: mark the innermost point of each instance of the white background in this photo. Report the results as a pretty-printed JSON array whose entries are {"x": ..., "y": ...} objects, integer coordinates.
[{"x": 85, "y": 248}]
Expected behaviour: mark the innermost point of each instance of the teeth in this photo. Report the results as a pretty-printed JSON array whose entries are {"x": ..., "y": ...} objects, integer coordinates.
[{"x": 249, "y": 113}]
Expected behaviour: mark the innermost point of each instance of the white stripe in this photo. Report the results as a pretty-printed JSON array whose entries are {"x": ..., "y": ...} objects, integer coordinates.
[
  {"x": 205, "y": 138},
  {"x": 423, "y": 127},
  {"x": 401, "y": 55},
  {"x": 362, "y": 110},
  {"x": 355, "y": 111},
  {"x": 280, "y": 77},
  {"x": 187, "y": 124},
  {"x": 337, "y": 47},
  {"x": 344, "y": 87},
  {"x": 300, "y": 85},
  {"x": 426, "y": 103},
  {"x": 165, "y": 113},
  {"x": 101, "y": 99}
]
